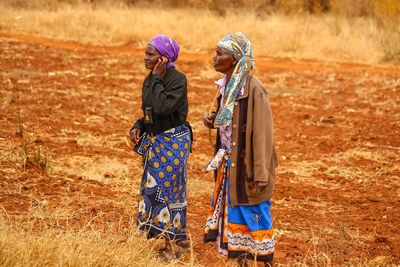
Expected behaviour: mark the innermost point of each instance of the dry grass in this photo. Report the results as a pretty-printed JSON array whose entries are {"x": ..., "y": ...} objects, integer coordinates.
[
  {"x": 22, "y": 246},
  {"x": 327, "y": 37},
  {"x": 106, "y": 170},
  {"x": 318, "y": 241}
]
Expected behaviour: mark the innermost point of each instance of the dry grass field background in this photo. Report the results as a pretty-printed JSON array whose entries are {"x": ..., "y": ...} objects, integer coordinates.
[
  {"x": 341, "y": 35},
  {"x": 70, "y": 80}
]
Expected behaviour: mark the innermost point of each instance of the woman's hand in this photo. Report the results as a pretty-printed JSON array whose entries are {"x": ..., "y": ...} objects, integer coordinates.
[
  {"x": 258, "y": 188},
  {"x": 135, "y": 135},
  {"x": 161, "y": 66},
  {"x": 208, "y": 120}
]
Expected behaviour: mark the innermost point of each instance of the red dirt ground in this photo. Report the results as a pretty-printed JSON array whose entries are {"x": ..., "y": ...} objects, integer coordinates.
[{"x": 337, "y": 128}]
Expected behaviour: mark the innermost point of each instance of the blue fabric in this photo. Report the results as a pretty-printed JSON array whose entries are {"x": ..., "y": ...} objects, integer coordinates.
[
  {"x": 163, "y": 199},
  {"x": 256, "y": 217}
]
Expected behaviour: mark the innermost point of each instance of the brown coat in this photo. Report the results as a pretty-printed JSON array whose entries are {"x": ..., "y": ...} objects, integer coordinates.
[{"x": 253, "y": 151}]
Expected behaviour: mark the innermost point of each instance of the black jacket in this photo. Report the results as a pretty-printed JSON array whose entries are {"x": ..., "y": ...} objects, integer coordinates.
[{"x": 167, "y": 97}]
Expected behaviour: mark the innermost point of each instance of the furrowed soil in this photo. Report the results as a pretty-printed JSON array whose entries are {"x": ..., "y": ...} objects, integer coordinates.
[{"x": 66, "y": 110}]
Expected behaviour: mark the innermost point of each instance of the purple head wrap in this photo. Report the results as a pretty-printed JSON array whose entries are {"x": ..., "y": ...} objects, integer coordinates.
[{"x": 167, "y": 47}]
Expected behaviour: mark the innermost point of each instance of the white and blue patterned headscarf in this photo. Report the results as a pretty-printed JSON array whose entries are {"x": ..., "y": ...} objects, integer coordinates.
[{"x": 240, "y": 47}]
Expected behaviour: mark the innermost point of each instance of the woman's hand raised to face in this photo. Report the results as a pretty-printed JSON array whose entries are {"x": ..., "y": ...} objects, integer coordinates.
[{"x": 161, "y": 66}]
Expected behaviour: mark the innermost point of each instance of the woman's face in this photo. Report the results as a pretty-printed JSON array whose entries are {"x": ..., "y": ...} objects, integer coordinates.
[
  {"x": 224, "y": 62},
  {"x": 151, "y": 57}
]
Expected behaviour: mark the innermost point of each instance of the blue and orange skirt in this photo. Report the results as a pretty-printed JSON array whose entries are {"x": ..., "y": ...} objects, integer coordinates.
[{"x": 241, "y": 231}]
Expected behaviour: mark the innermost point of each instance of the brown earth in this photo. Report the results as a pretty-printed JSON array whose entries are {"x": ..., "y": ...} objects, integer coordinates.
[{"x": 337, "y": 128}]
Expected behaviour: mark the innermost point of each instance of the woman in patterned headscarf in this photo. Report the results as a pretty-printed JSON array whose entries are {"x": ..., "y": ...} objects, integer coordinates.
[
  {"x": 245, "y": 161},
  {"x": 163, "y": 138}
]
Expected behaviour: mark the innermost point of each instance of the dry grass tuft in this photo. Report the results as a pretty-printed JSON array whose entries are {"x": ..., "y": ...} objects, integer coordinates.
[{"x": 33, "y": 155}]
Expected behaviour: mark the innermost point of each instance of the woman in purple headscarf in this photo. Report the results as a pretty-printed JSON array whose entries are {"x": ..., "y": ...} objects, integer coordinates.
[{"x": 163, "y": 138}]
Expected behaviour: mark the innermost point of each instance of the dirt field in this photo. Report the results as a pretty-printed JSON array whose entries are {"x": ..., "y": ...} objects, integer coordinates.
[{"x": 337, "y": 128}]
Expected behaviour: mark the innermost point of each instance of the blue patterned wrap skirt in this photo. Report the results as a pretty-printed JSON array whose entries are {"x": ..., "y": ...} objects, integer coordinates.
[{"x": 162, "y": 197}]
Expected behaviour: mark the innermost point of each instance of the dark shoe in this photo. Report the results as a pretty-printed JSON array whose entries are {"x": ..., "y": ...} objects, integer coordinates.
[
  {"x": 162, "y": 249},
  {"x": 183, "y": 244}
]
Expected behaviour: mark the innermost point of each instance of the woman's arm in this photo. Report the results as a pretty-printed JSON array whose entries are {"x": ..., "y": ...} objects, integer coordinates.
[
  {"x": 165, "y": 101},
  {"x": 262, "y": 135}
]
